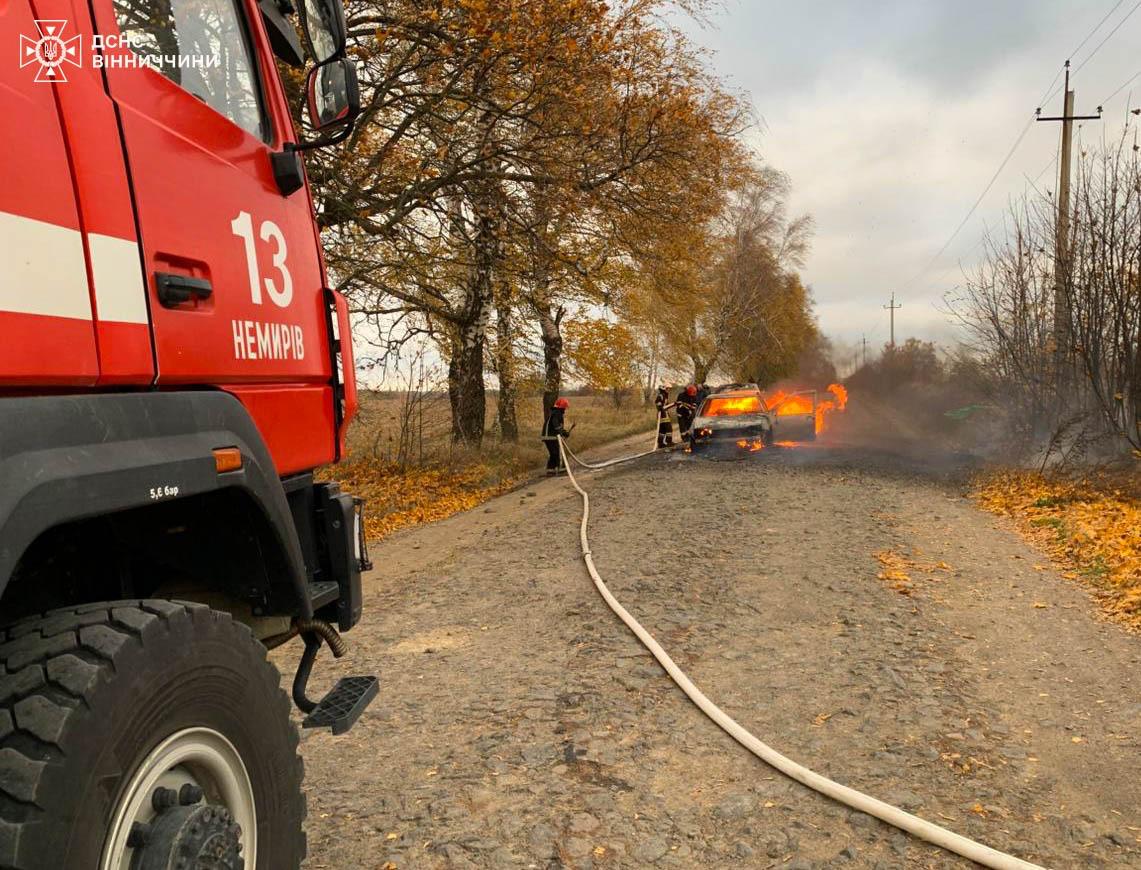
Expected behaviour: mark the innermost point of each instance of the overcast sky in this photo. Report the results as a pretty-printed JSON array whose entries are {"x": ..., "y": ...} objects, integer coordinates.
[{"x": 890, "y": 116}]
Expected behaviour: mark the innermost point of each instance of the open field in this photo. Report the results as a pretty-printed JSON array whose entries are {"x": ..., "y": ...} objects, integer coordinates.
[{"x": 426, "y": 425}]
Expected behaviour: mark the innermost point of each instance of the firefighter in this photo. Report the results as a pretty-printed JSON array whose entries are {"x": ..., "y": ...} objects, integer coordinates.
[
  {"x": 553, "y": 427},
  {"x": 703, "y": 392},
  {"x": 665, "y": 426},
  {"x": 686, "y": 410}
]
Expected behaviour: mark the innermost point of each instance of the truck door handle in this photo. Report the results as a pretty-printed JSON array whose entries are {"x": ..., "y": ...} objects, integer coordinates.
[{"x": 174, "y": 290}]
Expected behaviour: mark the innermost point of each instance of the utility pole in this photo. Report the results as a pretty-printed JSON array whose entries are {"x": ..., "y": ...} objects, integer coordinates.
[
  {"x": 864, "y": 342},
  {"x": 1063, "y": 339},
  {"x": 892, "y": 308}
]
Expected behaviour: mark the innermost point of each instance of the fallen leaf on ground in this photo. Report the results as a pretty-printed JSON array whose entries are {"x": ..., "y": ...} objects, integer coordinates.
[{"x": 1090, "y": 527}]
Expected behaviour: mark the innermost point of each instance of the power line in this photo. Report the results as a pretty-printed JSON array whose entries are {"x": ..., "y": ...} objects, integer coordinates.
[
  {"x": 1050, "y": 91},
  {"x": 1089, "y": 35},
  {"x": 975, "y": 206},
  {"x": 1108, "y": 36},
  {"x": 1124, "y": 85},
  {"x": 1053, "y": 162},
  {"x": 1034, "y": 181}
]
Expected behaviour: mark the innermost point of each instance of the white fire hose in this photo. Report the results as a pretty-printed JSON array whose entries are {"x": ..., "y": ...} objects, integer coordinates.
[{"x": 885, "y": 812}]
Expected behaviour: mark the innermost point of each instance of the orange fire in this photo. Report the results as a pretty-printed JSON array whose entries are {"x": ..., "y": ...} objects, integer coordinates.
[
  {"x": 787, "y": 404},
  {"x": 731, "y": 406},
  {"x": 790, "y": 404},
  {"x": 751, "y": 446},
  {"x": 838, "y": 403}
]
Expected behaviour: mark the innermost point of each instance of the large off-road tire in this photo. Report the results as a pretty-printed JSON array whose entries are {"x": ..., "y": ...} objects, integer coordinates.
[{"x": 100, "y": 702}]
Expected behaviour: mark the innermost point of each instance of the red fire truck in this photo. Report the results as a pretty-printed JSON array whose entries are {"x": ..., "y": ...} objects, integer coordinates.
[{"x": 173, "y": 367}]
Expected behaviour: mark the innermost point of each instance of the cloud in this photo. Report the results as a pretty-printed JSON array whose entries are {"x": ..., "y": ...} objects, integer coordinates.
[{"x": 891, "y": 116}]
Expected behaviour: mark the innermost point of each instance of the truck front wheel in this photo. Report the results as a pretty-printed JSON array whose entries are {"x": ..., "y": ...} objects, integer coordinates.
[{"x": 141, "y": 734}]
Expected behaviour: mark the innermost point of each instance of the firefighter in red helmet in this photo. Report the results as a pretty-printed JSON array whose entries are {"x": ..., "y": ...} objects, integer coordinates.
[
  {"x": 686, "y": 410},
  {"x": 553, "y": 427}
]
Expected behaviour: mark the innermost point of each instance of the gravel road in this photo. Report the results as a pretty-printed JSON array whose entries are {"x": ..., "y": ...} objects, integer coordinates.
[{"x": 521, "y": 725}]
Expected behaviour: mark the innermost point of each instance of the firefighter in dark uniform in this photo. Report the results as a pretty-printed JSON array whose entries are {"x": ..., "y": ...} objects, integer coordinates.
[
  {"x": 665, "y": 426},
  {"x": 686, "y": 410},
  {"x": 703, "y": 392},
  {"x": 553, "y": 427}
]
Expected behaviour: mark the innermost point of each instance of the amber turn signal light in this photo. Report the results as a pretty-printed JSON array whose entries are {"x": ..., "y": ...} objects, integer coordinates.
[{"x": 227, "y": 459}]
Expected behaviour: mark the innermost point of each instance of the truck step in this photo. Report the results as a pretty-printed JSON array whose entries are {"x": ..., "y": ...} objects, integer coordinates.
[
  {"x": 323, "y": 592},
  {"x": 340, "y": 708}
]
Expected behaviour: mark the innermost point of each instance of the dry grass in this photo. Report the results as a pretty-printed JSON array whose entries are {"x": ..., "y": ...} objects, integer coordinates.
[
  {"x": 378, "y": 432},
  {"x": 1092, "y": 527},
  {"x": 402, "y": 459}
]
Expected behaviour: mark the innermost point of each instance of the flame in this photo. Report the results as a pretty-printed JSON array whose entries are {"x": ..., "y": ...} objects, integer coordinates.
[
  {"x": 838, "y": 403},
  {"x": 751, "y": 446},
  {"x": 790, "y": 404},
  {"x": 731, "y": 406}
]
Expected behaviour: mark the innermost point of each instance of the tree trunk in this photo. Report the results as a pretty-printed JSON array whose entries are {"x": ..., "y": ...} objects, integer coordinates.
[
  {"x": 465, "y": 369},
  {"x": 505, "y": 364},
  {"x": 552, "y": 354},
  {"x": 1135, "y": 392},
  {"x": 648, "y": 386},
  {"x": 548, "y": 312},
  {"x": 700, "y": 370},
  {"x": 465, "y": 387}
]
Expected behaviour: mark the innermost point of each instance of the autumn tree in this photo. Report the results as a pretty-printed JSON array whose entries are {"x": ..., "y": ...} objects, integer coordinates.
[
  {"x": 416, "y": 207},
  {"x": 640, "y": 146},
  {"x": 727, "y": 297},
  {"x": 507, "y": 154},
  {"x": 604, "y": 355}
]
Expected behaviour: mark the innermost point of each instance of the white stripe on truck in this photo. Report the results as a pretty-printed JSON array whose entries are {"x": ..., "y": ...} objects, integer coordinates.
[
  {"x": 120, "y": 294},
  {"x": 42, "y": 271}
]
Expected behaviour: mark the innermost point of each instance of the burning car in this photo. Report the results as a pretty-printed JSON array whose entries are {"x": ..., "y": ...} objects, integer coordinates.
[
  {"x": 795, "y": 415},
  {"x": 801, "y": 415},
  {"x": 732, "y": 421}
]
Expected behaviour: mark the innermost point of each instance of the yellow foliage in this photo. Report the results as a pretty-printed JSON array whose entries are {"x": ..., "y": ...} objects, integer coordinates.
[
  {"x": 894, "y": 572},
  {"x": 413, "y": 496},
  {"x": 896, "y": 568},
  {"x": 1092, "y": 528}
]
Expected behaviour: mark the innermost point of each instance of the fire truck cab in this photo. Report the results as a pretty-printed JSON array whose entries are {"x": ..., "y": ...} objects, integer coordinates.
[{"x": 173, "y": 367}]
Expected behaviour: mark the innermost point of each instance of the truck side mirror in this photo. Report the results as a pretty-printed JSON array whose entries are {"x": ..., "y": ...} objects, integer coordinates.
[
  {"x": 334, "y": 94},
  {"x": 324, "y": 24}
]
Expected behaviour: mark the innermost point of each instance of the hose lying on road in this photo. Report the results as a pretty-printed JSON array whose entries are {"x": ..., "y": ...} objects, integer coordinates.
[
  {"x": 594, "y": 466},
  {"x": 885, "y": 812}
]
